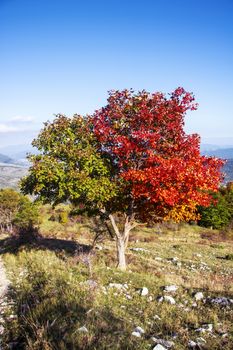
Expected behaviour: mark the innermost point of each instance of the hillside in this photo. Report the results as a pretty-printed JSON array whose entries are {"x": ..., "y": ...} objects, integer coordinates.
[
  {"x": 13, "y": 164},
  {"x": 5, "y": 159},
  {"x": 225, "y": 153},
  {"x": 10, "y": 175},
  {"x": 228, "y": 170},
  {"x": 177, "y": 292}
]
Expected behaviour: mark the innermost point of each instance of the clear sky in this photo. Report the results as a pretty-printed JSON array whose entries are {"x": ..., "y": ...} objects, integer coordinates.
[{"x": 62, "y": 56}]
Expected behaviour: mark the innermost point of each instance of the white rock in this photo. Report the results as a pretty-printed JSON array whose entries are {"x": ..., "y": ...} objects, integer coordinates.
[
  {"x": 117, "y": 286},
  {"x": 140, "y": 250},
  {"x": 83, "y": 329},
  {"x": 158, "y": 258},
  {"x": 136, "y": 334},
  {"x": 221, "y": 301},
  {"x": 159, "y": 347},
  {"x": 224, "y": 335},
  {"x": 199, "y": 296},
  {"x": 139, "y": 329},
  {"x": 144, "y": 291},
  {"x": 209, "y": 327},
  {"x": 171, "y": 288},
  {"x": 192, "y": 344},
  {"x": 169, "y": 299},
  {"x": 201, "y": 330},
  {"x": 175, "y": 259},
  {"x": 205, "y": 328},
  {"x": 156, "y": 317},
  {"x": 168, "y": 344},
  {"x": 1, "y": 329},
  {"x": 91, "y": 283}
]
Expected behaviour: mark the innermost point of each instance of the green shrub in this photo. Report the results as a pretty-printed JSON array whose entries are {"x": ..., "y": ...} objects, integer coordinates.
[
  {"x": 63, "y": 217},
  {"x": 27, "y": 215},
  {"x": 229, "y": 257},
  {"x": 217, "y": 215}
]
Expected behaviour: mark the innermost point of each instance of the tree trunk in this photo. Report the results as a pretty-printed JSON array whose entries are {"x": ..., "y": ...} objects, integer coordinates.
[
  {"x": 121, "y": 253},
  {"x": 122, "y": 239}
]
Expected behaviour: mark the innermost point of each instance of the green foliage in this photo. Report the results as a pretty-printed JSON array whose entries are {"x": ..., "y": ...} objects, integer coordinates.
[
  {"x": 217, "y": 215},
  {"x": 69, "y": 166},
  {"x": 220, "y": 213},
  {"x": 229, "y": 200},
  {"x": 9, "y": 201},
  {"x": 229, "y": 257},
  {"x": 27, "y": 215},
  {"x": 16, "y": 211},
  {"x": 63, "y": 217},
  {"x": 126, "y": 163}
]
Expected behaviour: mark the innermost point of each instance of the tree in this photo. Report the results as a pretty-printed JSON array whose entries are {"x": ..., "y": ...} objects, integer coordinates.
[
  {"x": 9, "y": 201},
  {"x": 26, "y": 216},
  {"x": 130, "y": 162},
  {"x": 16, "y": 211},
  {"x": 217, "y": 214}
]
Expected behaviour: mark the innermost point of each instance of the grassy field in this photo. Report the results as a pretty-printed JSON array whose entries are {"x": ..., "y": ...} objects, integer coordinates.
[{"x": 65, "y": 296}]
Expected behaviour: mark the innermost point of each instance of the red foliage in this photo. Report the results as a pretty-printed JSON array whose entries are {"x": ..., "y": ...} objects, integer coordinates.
[{"x": 143, "y": 135}]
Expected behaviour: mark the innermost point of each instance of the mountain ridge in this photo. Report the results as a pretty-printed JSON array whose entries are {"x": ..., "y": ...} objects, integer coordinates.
[{"x": 14, "y": 164}]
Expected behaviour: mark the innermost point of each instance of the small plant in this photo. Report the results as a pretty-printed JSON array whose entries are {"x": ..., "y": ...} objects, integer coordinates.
[
  {"x": 217, "y": 246},
  {"x": 229, "y": 257},
  {"x": 85, "y": 258}
]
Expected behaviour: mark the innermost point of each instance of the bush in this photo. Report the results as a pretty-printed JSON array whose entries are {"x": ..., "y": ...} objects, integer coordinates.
[
  {"x": 9, "y": 201},
  {"x": 219, "y": 213},
  {"x": 27, "y": 215}
]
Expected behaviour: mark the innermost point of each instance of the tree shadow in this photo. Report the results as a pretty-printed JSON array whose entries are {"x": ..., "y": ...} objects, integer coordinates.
[
  {"x": 33, "y": 240},
  {"x": 58, "y": 327}
]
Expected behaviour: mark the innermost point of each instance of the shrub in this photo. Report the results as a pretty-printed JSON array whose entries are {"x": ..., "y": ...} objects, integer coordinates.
[
  {"x": 218, "y": 214},
  {"x": 9, "y": 201},
  {"x": 27, "y": 215}
]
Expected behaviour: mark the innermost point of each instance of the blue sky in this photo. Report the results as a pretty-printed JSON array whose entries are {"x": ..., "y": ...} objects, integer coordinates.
[{"x": 62, "y": 56}]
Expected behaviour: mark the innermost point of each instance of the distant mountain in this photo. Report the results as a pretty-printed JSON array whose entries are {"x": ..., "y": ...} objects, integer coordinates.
[
  {"x": 224, "y": 153},
  {"x": 5, "y": 159},
  {"x": 205, "y": 147},
  {"x": 17, "y": 151},
  {"x": 14, "y": 165},
  {"x": 228, "y": 171},
  {"x": 17, "y": 154},
  {"x": 10, "y": 175}
]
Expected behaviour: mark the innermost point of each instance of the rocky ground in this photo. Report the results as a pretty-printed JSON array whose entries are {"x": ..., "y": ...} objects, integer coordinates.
[
  {"x": 176, "y": 294},
  {"x": 4, "y": 302}
]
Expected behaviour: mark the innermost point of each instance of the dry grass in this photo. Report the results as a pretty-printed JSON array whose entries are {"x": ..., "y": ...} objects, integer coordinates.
[{"x": 54, "y": 296}]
